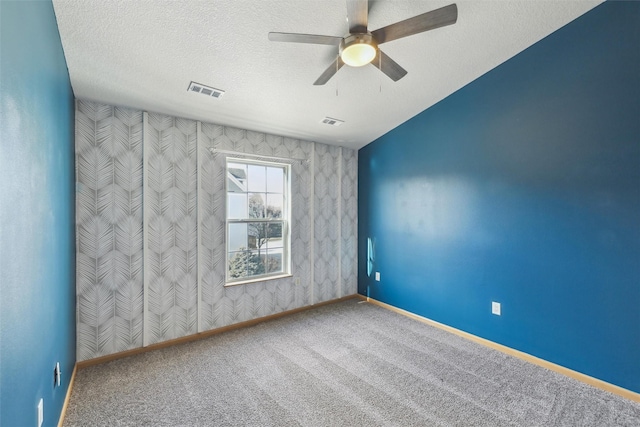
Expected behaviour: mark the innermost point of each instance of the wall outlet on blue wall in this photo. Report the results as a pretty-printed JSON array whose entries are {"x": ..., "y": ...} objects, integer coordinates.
[
  {"x": 495, "y": 308},
  {"x": 377, "y": 276}
]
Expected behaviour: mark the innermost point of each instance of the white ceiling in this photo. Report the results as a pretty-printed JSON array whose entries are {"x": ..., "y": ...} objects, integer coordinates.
[{"x": 144, "y": 53}]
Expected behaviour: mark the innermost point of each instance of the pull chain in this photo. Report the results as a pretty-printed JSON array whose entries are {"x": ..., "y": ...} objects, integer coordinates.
[{"x": 337, "y": 77}]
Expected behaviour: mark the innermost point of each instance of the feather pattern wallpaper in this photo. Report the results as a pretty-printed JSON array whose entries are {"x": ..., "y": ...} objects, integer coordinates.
[
  {"x": 171, "y": 228},
  {"x": 109, "y": 229},
  {"x": 349, "y": 221},
  {"x": 221, "y": 305},
  {"x": 151, "y": 227},
  {"x": 326, "y": 223}
]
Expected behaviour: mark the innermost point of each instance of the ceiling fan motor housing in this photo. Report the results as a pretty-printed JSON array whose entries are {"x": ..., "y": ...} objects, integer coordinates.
[{"x": 358, "y": 49}]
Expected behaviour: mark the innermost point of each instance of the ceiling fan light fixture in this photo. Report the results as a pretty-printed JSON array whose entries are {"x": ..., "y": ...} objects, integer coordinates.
[
  {"x": 357, "y": 50},
  {"x": 360, "y": 46}
]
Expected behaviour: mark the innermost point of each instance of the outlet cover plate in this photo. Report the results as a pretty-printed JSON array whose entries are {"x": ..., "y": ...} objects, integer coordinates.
[
  {"x": 377, "y": 276},
  {"x": 495, "y": 308}
]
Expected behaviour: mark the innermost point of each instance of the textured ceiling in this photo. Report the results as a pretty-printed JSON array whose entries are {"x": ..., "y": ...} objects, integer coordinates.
[{"x": 144, "y": 53}]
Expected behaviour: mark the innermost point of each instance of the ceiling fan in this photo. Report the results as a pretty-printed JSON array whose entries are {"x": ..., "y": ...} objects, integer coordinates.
[{"x": 360, "y": 46}]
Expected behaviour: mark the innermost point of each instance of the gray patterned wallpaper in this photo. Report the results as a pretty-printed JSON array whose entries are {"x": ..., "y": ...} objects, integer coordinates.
[
  {"x": 222, "y": 306},
  {"x": 170, "y": 245},
  {"x": 349, "y": 221},
  {"x": 180, "y": 290},
  {"x": 326, "y": 223},
  {"x": 109, "y": 229}
]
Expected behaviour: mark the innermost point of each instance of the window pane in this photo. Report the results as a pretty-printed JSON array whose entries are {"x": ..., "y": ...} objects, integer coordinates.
[
  {"x": 274, "y": 205},
  {"x": 274, "y": 235},
  {"x": 274, "y": 261},
  {"x": 236, "y": 177},
  {"x": 257, "y": 234},
  {"x": 255, "y": 264},
  {"x": 257, "y": 178},
  {"x": 245, "y": 264},
  {"x": 256, "y": 205},
  {"x": 237, "y": 264},
  {"x": 237, "y": 205},
  {"x": 275, "y": 180},
  {"x": 237, "y": 237}
]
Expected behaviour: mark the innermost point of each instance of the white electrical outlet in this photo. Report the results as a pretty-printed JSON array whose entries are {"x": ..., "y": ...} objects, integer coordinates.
[
  {"x": 495, "y": 308},
  {"x": 377, "y": 276},
  {"x": 40, "y": 413},
  {"x": 296, "y": 281}
]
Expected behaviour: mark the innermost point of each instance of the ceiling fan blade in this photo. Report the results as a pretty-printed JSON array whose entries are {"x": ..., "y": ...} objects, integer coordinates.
[
  {"x": 329, "y": 72},
  {"x": 305, "y": 38},
  {"x": 357, "y": 14},
  {"x": 388, "y": 66},
  {"x": 427, "y": 21}
]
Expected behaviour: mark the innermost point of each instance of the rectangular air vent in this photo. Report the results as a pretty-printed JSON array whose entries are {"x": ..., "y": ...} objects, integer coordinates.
[
  {"x": 205, "y": 90},
  {"x": 332, "y": 122}
]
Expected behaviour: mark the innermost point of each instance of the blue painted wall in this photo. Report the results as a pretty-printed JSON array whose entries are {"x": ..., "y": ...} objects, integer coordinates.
[
  {"x": 37, "y": 279},
  {"x": 524, "y": 188}
]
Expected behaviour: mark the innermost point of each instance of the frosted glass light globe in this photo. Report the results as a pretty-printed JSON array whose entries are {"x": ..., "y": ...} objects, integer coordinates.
[{"x": 358, "y": 54}]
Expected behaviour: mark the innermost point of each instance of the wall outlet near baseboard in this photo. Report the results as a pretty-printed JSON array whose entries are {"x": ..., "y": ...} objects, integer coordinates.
[
  {"x": 377, "y": 276},
  {"x": 495, "y": 308}
]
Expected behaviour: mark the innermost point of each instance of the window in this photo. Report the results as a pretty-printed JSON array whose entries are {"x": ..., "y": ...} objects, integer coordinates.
[{"x": 257, "y": 220}]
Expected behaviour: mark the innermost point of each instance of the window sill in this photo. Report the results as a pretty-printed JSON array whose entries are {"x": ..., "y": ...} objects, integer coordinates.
[{"x": 258, "y": 279}]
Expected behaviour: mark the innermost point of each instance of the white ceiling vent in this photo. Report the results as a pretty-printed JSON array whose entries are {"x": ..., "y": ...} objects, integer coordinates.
[
  {"x": 205, "y": 90},
  {"x": 332, "y": 122}
]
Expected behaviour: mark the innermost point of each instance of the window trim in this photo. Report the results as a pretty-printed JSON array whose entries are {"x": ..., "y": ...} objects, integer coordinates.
[{"x": 286, "y": 224}]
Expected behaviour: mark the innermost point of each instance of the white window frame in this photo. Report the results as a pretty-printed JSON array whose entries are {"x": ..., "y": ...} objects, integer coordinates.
[{"x": 286, "y": 223}]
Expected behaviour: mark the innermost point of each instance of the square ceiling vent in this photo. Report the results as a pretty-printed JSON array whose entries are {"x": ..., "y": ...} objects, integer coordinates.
[
  {"x": 332, "y": 122},
  {"x": 205, "y": 90}
]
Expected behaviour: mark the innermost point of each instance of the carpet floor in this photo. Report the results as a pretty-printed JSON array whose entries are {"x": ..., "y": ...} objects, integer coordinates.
[{"x": 344, "y": 364}]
